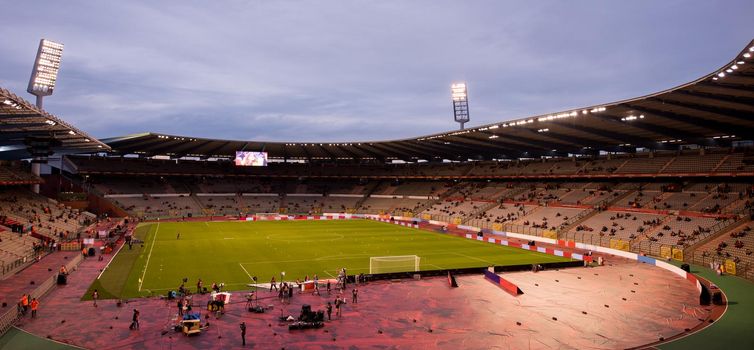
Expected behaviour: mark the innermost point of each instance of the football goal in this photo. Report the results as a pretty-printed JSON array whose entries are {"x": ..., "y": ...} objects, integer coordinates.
[{"x": 396, "y": 263}]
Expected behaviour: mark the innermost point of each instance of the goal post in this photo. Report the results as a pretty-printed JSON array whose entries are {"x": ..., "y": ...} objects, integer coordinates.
[{"x": 395, "y": 263}]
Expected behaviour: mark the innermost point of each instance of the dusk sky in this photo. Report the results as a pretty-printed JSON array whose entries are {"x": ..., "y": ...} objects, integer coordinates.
[{"x": 355, "y": 70}]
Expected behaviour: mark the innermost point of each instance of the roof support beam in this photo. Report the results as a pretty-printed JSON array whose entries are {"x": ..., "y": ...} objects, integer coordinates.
[
  {"x": 718, "y": 111},
  {"x": 623, "y": 138},
  {"x": 670, "y": 133},
  {"x": 706, "y": 123}
]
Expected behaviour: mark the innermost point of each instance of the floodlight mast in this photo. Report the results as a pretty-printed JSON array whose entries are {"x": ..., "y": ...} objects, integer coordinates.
[
  {"x": 44, "y": 75},
  {"x": 460, "y": 103},
  {"x": 45, "y": 72}
]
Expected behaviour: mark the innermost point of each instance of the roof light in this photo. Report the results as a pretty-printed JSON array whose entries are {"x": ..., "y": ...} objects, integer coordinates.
[
  {"x": 71, "y": 132},
  {"x": 494, "y": 136},
  {"x": 747, "y": 55},
  {"x": 721, "y": 75},
  {"x": 734, "y": 67},
  {"x": 729, "y": 70},
  {"x": 50, "y": 122},
  {"x": 740, "y": 62}
]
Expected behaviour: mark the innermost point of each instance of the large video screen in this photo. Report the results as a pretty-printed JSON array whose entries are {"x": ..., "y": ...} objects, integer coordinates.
[{"x": 251, "y": 158}]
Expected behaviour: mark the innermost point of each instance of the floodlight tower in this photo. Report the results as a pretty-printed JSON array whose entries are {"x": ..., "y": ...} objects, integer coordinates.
[
  {"x": 460, "y": 103},
  {"x": 45, "y": 72},
  {"x": 41, "y": 84}
]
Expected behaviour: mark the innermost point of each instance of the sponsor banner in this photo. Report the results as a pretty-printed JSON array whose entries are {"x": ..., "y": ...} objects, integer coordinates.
[
  {"x": 390, "y": 196},
  {"x": 499, "y": 233},
  {"x": 491, "y": 240},
  {"x": 677, "y": 254},
  {"x": 665, "y": 252},
  {"x": 501, "y": 282},
  {"x": 468, "y": 235},
  {"x": 304, "y": 195},
  {"x": 215, "y": 194},
  {"x": 550, "y": 234},
  {"x": 730, "y": 266},
  {"x": 260, "y": 194},
  {"x": 558, "y": 253},
  {"x": 346, "y": 195},
  {"x": 532, "y": 238},
  {"x": 646, "y": 260},
  {"x": 469, "y": 228}
]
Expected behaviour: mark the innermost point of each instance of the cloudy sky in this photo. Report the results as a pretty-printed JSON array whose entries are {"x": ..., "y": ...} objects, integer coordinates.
[{"x": 356, "y": 70}]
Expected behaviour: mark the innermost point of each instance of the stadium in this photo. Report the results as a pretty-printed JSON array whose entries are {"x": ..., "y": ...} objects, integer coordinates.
[{"x": 619, "y": 225}]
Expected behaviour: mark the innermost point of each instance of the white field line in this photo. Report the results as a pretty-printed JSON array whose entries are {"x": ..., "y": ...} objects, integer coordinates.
[
  {"x": 473, "y": 258},
  {"x": 244, "y": 270},
  {"x": 111, "y": 260},
  {"x": 143, "y": 273}
]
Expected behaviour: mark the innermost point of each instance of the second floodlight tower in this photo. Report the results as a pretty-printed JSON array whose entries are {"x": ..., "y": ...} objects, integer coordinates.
[{"x": 460, "y": 103}]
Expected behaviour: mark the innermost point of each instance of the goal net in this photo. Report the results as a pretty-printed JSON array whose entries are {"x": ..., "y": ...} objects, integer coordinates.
[{"x": 396, "y": 263}]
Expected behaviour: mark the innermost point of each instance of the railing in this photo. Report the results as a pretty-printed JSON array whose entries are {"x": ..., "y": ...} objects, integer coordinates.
[
  {"x": 10, "y": 267},
  {"x": 652, "y": 248},
  {"x": 588, "y": 238},
  {"x": 9, "y": 318},
  {"x": 744, "y": 270}
]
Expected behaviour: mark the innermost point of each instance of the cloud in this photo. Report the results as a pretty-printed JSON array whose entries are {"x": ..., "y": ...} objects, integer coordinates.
[{"x": 358, "y": 70}]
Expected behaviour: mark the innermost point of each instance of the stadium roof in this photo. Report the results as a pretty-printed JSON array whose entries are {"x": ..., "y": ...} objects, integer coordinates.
[
  {"x": 714, "y": 110},
  {"x": 22, "y": 122}
]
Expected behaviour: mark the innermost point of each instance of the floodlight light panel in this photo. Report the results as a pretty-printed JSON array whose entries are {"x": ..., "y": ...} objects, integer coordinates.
[
  {"x": 458, "y": 91},
  {"x": 46, "y": 66}
]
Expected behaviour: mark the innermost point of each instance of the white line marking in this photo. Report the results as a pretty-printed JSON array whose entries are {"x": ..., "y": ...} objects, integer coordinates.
[
  {"x": 244, "y": 270},
  {"x": 111, "y": 260},
  {"x": 471, "y": 257},
  {"x": 143, "y": 273}
]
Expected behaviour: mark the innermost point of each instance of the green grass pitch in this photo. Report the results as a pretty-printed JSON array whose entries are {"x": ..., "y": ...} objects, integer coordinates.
[{"x": 232, "y": 252}]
